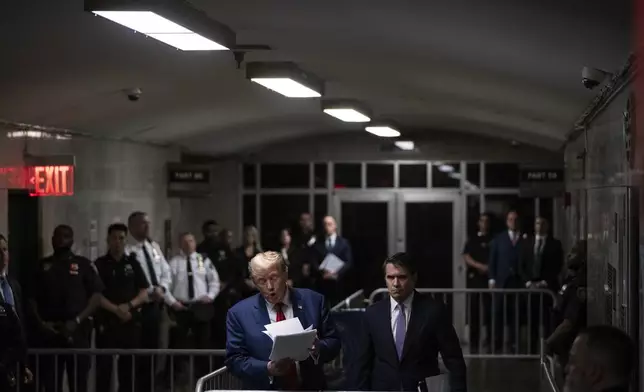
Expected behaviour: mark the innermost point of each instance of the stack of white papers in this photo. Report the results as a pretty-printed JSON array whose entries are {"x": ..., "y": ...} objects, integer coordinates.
[
  {"x": 332, "y": 263},
  {"x": 290, "y": 340}
]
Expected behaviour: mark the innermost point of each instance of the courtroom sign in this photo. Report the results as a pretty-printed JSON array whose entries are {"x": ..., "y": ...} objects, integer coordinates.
[
  {"x": 541, "y": 182},
  {"x": 188, "y": 180},
  {"x": 189, "y": 175}
]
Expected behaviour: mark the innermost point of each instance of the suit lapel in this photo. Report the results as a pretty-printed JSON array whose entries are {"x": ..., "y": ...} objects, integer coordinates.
[
  {"x": 385, "y": 326},
  {"x": 261, "y": 316},
  {"x": 298, "y": 308},
  {"x": 414, "y": 327}
]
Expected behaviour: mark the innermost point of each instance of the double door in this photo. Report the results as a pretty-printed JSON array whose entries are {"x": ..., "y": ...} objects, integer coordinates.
[{"x": 427, "y": 225}]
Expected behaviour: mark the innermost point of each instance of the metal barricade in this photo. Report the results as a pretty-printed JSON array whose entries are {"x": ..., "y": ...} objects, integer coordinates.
[
  {"x": 355, "y": 300},
  {"x": 218, "y": 380},
  {"x": 548, "y": 370},
  {"x": 499, "y": 322},
  {"x": 61, "y": 368}
]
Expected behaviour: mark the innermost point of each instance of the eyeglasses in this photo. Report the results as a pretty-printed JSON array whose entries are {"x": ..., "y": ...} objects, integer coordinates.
[{"x": 264, "y": 281}]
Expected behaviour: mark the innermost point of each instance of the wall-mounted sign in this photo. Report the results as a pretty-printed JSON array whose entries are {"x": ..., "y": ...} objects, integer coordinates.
[
  {"x": 542, "y": 175},
  {"x": 539, "y": 182},
  {"x": 188, "y": 180},
  {"x": 51, "y": 180},
  {"x": 198, "y": 176}
]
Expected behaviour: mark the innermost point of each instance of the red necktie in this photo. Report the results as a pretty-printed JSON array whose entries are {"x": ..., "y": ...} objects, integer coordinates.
[{"x": 289, "y": 380}]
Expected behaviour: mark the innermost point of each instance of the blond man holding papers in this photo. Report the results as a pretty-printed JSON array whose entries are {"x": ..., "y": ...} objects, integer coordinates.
[{"x": 264, "y": 332}]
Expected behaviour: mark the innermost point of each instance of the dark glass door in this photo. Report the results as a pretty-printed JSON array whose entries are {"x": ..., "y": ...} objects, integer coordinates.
[
  {"x": 24, "y": 234},
  {"x": 365, "y": 225},
  {"x": 429, "y": 228}
]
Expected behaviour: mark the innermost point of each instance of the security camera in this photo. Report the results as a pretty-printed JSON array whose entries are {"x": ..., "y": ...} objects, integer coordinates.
[
  {"x": 593, "y": 77},
  {"x": 133, "y": 94}
]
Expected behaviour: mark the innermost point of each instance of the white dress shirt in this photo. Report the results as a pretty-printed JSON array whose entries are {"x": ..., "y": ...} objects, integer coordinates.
[
  {"x": 205, "y": 279},
  {"x": 539, "y": 242},
  {"x": 159, "y": 264},
  {"x": 287, "y": 308},
  {"x": 329, "y": 242},
  {"x": 395, "y": 310}
]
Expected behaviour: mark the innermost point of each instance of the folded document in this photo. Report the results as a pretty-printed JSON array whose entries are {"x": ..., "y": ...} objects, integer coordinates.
[{"x": 290, "y": 340}]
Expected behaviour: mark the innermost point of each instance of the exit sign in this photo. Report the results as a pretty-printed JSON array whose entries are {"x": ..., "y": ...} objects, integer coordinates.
[{"x": 55, "y": 180}]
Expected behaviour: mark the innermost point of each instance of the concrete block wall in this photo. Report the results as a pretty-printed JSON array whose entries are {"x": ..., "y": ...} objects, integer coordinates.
[{"x": 112, "y": 179}]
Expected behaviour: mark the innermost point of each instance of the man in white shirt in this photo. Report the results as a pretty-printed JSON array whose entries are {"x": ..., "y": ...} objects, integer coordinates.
[{"x": 148, "y": 253}]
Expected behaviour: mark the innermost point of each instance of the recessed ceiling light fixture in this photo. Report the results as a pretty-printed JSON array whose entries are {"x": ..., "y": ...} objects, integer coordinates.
[
  {"x": 406, "y": 145},
  {"x": 172, "y": 22},
  {"x": 382, "y": 130},
  {"x": 347, "y": 111},
  {"x": 285, "y": 78}
]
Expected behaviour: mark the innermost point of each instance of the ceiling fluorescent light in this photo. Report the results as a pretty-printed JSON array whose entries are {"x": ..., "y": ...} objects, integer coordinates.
[
  {"x": 406, "y": 145},
  {"x": 285, "y": 78},
  {"x": 346, "y": 111},
  {"x": 172, "y": 22},
  {"x": 382, "y": 130}
]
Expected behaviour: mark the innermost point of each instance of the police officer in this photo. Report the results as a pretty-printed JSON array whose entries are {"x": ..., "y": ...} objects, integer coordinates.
[
  {"x": 13, "y": 347},
  {"x": 476, "y": 254},
  {"x": 153, "y": 319},
  {"x": 569, "y": 313},
  {"x": 118, "y": 320},
  {"x": 65, "y": 292},
  {"x": 195, "y": 284}
]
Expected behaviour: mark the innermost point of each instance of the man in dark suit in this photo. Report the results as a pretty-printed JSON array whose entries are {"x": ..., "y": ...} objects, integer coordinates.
[
  {"x": 248, "y": 348},
  {"x": 13, "y": 350},
  {"x": 335, "y": 285},
  {"x": 503, "y": 273},
  {"x": 403, "y": 336},
  {"x": 540, "y": 265}
]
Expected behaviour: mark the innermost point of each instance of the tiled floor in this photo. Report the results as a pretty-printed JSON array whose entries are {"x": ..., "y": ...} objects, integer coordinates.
[{"x": 504, "y": 375}]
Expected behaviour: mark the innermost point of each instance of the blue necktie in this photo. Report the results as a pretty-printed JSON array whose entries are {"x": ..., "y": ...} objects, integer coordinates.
[
  {"x": 6, "y": 291},
  {"x": 401, "y": 326}
]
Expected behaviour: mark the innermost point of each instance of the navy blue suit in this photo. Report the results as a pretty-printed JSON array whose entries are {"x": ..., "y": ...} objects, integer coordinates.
[
  {"x": 248, "y": 348},
  {"x": 504, "y": 260},
  {"x": 336, "y": 290},
  {"x": 504, "y": 269}
]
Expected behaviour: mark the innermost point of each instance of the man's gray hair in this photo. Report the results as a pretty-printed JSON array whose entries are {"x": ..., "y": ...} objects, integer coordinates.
[{"x": 267, "y": 259}]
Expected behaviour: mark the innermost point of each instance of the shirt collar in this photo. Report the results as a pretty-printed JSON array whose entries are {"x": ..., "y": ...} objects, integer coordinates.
[
  {"x": 286, "y": 301},
  {"x": 332, "y": 237},
  {"x": 540, "y": 237},
  {"x": 407, "y": 302}
]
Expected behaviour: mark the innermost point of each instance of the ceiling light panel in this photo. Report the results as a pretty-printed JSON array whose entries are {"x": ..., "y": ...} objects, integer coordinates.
[
  {"x": 285, "y": 78},
  {"x": 346, "y": 110},
  {"x": 172, "y": 22},
  {"x": 382, "y": 131},
  {"x": 406, "y": 145}
]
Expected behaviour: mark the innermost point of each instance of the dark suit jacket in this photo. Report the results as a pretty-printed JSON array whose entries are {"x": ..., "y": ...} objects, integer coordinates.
[
  {"x": 248, "y": 348},
  {"x": 341, "y": 249},
  {"x": 504, "y": 258},
  {"x": 551, "y": 262},
  {"x": 14, "y": 349},
  {"x": 430, "y": 332}
]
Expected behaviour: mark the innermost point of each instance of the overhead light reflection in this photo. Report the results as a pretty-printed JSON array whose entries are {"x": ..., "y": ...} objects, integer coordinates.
[
  {"x": 446, "y": 168},
  {"x": 406, "y": 145},
  {"x": 37, "y": 135}
]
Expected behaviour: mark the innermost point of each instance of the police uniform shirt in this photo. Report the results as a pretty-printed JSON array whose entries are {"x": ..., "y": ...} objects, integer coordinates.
[
  {"x": 159, "y": 263},
  {"x": 123, "y": 279},
  {"x": 205, "y": 279},
  {"x": 479, "y": 249},
  {"x": 63, "y": 285}
]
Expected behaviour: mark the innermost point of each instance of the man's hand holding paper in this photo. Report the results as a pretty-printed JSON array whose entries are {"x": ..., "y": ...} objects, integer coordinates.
[{"x": 290, "y": 340}]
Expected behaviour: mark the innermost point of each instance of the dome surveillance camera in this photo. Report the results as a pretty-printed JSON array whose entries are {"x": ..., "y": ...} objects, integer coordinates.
[
  {"x": 593, "y": 77},
  {"x": 133, "y": 94}
]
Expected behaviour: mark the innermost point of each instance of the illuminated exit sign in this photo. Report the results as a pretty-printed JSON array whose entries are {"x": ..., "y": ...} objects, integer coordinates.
[{"x": 54, "y": 180}]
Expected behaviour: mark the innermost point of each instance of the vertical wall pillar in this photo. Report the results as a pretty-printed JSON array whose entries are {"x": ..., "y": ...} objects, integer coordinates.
[{"x": 4, "y": 211}]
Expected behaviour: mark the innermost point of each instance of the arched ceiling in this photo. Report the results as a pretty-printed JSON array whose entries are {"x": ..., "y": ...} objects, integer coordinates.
[{"x": 503, "y": 68}]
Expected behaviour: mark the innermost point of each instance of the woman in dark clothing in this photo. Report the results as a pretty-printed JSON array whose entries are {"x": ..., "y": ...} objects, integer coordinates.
[{"x": 250, "y": 247}]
